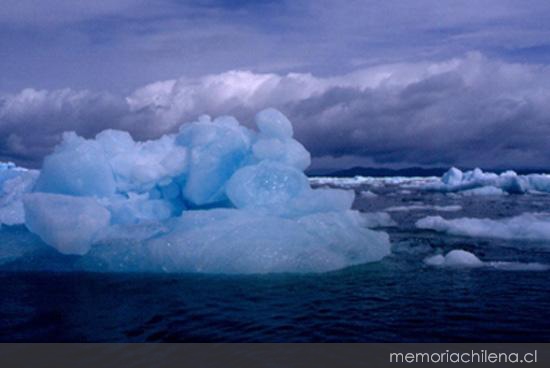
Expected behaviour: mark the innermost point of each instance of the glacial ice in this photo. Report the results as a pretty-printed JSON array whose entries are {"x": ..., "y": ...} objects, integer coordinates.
[
  {"x": 459, "y": 258},
  {"x": 528, "y": 226},
  {"x": 472, "y": 182},
  {"x": 213, "y": 197}
]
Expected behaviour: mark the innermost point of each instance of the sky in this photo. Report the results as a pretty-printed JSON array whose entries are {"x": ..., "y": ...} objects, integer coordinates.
[{"x": 365, "y": 83}]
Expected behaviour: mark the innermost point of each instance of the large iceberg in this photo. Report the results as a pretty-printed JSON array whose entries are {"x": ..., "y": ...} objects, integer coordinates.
[
  {"x": 213, "y": 197},
  {"x": 471, "y": 182}
]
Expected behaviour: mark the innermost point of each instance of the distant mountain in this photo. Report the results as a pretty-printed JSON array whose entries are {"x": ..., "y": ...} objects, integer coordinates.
[{"x": 409, "y": 171}]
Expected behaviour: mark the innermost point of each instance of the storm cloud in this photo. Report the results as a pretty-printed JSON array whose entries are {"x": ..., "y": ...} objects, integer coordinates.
[{"x": 471, "y": 110}]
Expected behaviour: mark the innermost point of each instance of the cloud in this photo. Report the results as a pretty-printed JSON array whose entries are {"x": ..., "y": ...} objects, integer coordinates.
[
  {"x": 467, "y": 111},
  {"x": 122, "y": 44}
]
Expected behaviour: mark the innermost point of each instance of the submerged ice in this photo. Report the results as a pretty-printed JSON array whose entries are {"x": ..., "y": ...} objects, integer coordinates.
[{"x": 213, "y": 197}]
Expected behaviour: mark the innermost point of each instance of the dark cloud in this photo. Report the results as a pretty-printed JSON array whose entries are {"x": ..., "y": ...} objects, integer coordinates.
[
  {"x": 118, "y": 45},
  {"x": 464, "y": 111}
]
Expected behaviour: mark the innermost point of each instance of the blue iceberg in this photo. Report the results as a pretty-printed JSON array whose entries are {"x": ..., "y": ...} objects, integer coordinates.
[{"x": 214, "y": 197}]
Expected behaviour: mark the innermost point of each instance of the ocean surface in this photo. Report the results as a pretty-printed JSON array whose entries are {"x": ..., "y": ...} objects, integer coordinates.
[{"x": 400, "y": 299}]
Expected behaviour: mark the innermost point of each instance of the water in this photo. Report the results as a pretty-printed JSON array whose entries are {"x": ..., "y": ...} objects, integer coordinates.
[{"x": 398, "y": 300}]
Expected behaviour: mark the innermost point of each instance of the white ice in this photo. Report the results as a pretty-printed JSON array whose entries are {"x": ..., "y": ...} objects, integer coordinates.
[
  {"x": 528, "y": 226},
  {"x": 459, "y": 258}
]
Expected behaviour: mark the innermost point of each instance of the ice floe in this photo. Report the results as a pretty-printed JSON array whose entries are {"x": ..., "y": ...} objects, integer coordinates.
[{"x": 528, "y": 226}]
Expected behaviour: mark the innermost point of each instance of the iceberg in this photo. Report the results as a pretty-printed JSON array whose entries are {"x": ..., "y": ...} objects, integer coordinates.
[
  {"x": 213, "y": 197},
  {"x": 14, "y": 183},
  {"x": 477, "y": 182}
]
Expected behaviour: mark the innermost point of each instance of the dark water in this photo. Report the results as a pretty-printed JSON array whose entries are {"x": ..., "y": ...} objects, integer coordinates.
[{"x": 399, "y": 299}]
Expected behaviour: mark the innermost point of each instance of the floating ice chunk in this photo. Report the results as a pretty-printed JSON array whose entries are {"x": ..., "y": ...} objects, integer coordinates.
[
  {"x": 69, "y": 224},
  {"x": 377, "y": 219},
  {"x": 455, "y": 180},
  {"x": 526, "y": 226},
  {"x": 272, "y": 123},
  {"x": 462, "y": 259},
  {"x": 77, "y": 167},
  {"x": 455, "y": 258}
]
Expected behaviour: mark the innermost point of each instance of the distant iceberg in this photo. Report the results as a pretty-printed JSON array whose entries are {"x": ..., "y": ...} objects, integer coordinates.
[
  {"x": 471, "y": 182},
  {"x": 214, "y": 197},
  {"x": 14, "y": 183}
]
